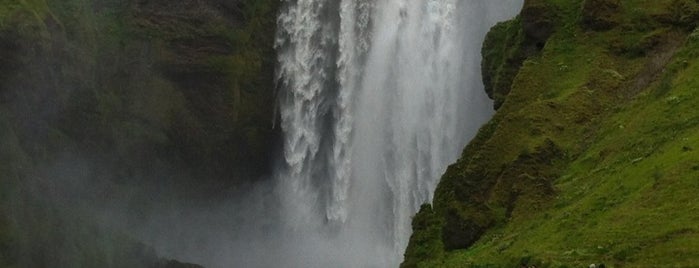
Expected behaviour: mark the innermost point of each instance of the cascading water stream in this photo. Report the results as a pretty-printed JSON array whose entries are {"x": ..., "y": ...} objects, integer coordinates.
[{"x": 377, "y": 98}]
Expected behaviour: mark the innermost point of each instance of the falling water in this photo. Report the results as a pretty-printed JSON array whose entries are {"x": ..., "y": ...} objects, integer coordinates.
[{"x": 377, "y": 98}]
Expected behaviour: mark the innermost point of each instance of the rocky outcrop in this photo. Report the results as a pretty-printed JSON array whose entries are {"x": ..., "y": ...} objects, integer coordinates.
[
  {"x": 510, "y": 43},
  {"x": 600, "y": 15},
  {"x": 503, "y": 55},
  {"x": 538, "y": 21},
  {"x": 680, "y": 13}
]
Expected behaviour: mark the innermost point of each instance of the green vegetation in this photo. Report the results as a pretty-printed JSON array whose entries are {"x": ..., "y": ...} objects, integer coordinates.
[
  {"x": 192, "y": 81},
  {"x": 592, "y": 156},
  {"x": 142, "y": 88},
  {"x": 503, "y": 43}
]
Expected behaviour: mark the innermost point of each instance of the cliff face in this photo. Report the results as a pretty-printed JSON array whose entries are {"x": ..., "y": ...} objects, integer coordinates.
[
  {"x": 142, "y": 83},
  {"x": 101, "y": 95},
  {"x": 590, "y": 157}
]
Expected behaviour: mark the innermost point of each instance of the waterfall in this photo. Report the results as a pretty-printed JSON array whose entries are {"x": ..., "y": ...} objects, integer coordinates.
[{"x": 377, "y": 97}]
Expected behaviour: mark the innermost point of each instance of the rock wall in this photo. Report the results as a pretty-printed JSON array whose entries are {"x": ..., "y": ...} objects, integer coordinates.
[
  {"x": 138, "y": 84},
  {"x": 100, "y": 97}
]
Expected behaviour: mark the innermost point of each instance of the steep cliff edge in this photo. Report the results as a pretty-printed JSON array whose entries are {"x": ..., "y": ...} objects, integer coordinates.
[
  {"x": 591, "y": 155},
  {"x": 124, "y": 100}
]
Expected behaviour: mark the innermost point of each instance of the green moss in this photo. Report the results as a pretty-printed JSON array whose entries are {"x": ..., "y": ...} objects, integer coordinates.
[
  {"x": 601, "y": 14},
  {"x": 618, "y": 182},
  {"x": 502, "y": 56},
  {"x": 8, "y": 9},
  {"x": 423, "y": 245}
]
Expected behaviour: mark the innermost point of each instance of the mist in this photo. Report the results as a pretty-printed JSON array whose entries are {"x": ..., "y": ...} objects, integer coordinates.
[{"x": 375, "y": 99}]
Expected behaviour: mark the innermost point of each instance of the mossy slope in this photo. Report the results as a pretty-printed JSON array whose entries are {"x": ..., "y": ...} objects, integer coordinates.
[{"x": 591, "y": 157}]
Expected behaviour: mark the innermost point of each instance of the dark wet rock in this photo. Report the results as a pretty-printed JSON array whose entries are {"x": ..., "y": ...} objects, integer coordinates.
[
  {"x": 538, "y": 21},
  {"x": 600, "y": 15},
  {"x": 464, "y": 225},
  {"x": 175, "y": 264}
]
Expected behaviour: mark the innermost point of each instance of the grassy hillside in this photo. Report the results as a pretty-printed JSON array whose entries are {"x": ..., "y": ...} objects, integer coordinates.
[{"x": 592, "y": 156}]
